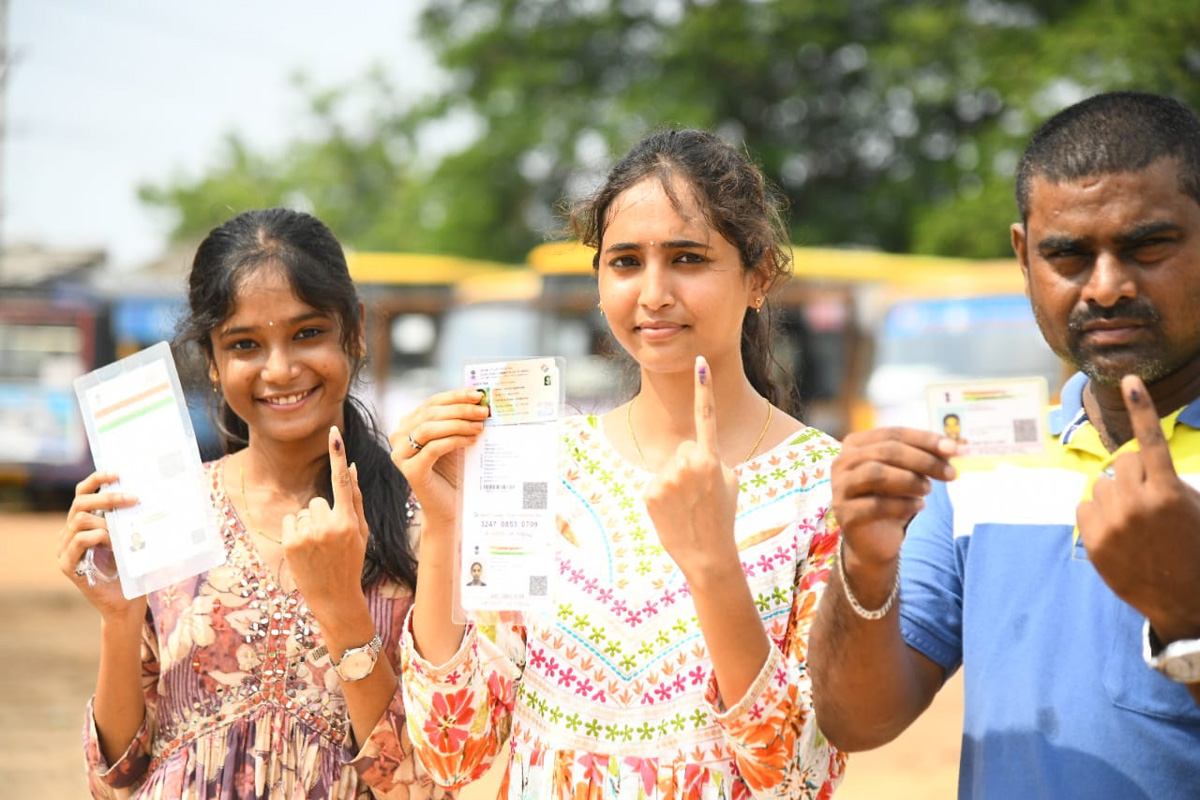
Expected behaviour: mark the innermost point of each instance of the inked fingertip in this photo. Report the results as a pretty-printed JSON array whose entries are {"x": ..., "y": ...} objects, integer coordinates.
[
  {"x": 335, "y": 439},
  {"x": 702, "y": 370}
]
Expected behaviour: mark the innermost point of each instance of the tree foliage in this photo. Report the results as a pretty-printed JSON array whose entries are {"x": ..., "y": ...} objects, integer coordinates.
[{"x": 893, "y": 124}]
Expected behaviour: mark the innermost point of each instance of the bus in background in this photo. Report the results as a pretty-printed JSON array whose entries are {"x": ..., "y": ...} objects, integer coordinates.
[
  {"x": 427, "y": 316},
  {"x": 47, "y": 340},
  {"x": 412, "y": 303}
]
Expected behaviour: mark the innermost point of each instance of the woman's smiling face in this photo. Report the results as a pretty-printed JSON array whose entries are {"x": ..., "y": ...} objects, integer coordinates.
[
  {"x": 281, "y": 362},
  {"x": 671, "y": 286}
]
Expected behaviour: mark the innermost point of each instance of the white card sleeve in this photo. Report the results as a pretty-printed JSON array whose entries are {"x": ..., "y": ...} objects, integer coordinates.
[
  {"x": 506, "y": 555},
  {"x": 138, "y": 426}
]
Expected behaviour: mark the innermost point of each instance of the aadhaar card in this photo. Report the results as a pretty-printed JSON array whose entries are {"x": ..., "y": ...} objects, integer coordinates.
[
  {"x": 138, "y": 426},
  {"x": 518, "y": 392},
  {"x": 1000, "y": 417},
  {"x": 507, "y": 488}
]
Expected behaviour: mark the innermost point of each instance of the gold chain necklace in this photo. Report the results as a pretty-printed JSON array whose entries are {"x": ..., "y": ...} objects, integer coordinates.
[
  {"x": 246, "y": 503},
  {"x": 642, "y": 456}
]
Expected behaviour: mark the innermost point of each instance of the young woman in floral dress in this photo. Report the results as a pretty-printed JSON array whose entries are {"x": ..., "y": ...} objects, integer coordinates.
[
  {"x": 694, "y": 535},
  {"x": 274, "y": 675}
]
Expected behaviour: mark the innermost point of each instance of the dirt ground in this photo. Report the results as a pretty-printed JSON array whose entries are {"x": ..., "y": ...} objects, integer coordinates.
[{"x": 48, "y": 651}]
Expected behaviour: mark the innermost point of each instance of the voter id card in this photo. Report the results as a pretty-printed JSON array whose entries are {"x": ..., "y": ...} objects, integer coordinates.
[
  {"x": 507, "y": 488},
  {"x": 138, "y": 426},
  {"x": 1000, "y": 417}
]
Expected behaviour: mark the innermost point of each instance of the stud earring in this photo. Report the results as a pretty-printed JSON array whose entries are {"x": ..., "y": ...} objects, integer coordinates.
[{"x": 758, "y": 304}]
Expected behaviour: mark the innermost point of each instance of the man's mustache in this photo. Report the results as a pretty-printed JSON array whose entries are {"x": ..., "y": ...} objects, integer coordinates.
[{"x": 1125, "y": 310}]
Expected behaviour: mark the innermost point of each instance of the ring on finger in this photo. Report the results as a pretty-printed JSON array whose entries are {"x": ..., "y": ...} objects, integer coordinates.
[
  {"x": 413, "y": 443},
  {"x": 303, "y": 513},
  {"x": 86, "y": 568},
  {"x": 99, "y": 512}
]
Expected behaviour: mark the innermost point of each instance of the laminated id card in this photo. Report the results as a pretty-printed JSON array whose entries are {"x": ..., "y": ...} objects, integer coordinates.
[
  {"x": 507, "y": 488},
  {"x": 138, "y": 426},
  {"x": 1001, "y": 417}
]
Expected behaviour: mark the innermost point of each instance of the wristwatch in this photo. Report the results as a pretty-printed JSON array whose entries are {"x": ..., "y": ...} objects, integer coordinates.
[
  {"x": 357, "y": 662},
  {"x": 1179, "y": 660}
]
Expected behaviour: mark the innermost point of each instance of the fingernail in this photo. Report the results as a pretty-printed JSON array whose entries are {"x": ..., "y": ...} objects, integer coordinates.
[{"x": 702, "y": 370}]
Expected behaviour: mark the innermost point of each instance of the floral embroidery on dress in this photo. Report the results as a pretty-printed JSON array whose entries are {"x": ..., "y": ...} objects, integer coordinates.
[{"x": 611, "y": 693}]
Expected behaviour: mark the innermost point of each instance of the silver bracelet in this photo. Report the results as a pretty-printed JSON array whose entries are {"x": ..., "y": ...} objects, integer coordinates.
[{"x": 878, "y": 613}]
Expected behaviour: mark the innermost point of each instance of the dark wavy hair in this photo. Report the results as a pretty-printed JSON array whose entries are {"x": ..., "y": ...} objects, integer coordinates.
[
  {"x": 736, "y": 200},
  {"x": 1112, "y": 132},
  {"x": 309, "y": 255}
]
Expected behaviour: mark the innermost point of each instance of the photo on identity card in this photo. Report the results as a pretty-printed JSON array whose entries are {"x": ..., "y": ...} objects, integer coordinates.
[
  {"x": 138, "y": 426},
  {"x": 506, "y": 552}
]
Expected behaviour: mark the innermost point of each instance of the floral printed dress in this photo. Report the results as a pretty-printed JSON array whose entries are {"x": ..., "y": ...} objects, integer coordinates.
[
  {"x": 238, "y": 704},
  {"x": 611, "y": 694}
]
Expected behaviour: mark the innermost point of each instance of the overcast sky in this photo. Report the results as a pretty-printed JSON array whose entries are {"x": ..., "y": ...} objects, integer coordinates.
[{"x": 103, "y": 95}]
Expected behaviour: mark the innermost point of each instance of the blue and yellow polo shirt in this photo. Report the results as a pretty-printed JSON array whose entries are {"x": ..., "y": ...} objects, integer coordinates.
[{"x": 1058, "y": 700}]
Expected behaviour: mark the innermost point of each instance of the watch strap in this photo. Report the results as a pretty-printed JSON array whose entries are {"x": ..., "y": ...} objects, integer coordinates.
[{"x": 1179, "y": 660}]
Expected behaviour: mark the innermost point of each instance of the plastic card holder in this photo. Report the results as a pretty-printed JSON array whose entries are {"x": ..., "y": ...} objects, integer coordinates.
[
  {"x": 138, "y": 426},
  {"x": 506, "y": 494},
  {"x": 992, "y": 417}
]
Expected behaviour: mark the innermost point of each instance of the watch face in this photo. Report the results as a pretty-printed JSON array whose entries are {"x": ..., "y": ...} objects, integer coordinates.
[
  {"x": 1183, "y": 668},
  {"x": 355, "y": 666}
]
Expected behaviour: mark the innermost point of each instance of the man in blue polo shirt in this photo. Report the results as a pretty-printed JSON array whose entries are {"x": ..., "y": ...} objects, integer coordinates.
[{"x": 1066, "y": 586}]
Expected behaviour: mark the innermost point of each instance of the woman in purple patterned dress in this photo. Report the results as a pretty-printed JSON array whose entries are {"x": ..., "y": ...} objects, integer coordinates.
[{"x": 275, "y": 674}]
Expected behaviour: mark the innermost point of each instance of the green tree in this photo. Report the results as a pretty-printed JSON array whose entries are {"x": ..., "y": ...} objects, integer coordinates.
[
  {"x": 361, "y": 177},
  {"x": 894, "y": 125}
]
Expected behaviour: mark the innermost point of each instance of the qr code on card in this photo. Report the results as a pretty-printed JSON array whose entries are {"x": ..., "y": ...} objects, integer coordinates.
[{"x": 534, "y": 496}]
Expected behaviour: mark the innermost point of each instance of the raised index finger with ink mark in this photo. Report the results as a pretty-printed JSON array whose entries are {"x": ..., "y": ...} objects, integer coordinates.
[
  {"x": 343, "y": 492},
  {"x": 1147, "y": 428},
  {"x": 705, "y": 407}
]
